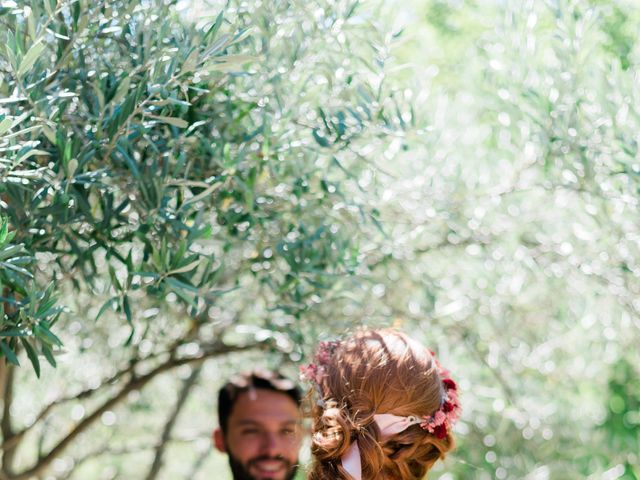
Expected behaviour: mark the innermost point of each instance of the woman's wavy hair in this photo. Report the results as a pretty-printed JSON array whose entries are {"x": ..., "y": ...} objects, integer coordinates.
[{"x": 374, "y": 372}]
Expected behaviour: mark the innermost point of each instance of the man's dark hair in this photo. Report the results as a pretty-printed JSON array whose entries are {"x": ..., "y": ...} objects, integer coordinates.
[{"x": 263, "y": 379}]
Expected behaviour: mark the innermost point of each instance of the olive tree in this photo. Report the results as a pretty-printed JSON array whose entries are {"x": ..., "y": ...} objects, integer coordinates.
[{"x": 173, "y": 189}]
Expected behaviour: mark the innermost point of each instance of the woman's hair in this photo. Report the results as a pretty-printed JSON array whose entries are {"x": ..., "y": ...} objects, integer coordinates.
[{"x": 376, "y": 372}]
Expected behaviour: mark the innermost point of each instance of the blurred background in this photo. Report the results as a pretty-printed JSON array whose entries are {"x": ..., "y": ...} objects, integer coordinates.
[{"x": 189, "y": 188}]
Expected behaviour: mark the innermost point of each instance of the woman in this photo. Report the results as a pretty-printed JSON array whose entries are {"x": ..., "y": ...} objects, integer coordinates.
[{"x": 384, "y": 408}]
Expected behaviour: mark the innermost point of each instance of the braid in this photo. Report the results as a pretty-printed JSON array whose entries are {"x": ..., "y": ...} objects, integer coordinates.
[
  {"x": 406, "y": 456},
  {"x": 411, "y": 454},
  {"x": 331, "y": 439},
  {"x": 360, "y": 379}
]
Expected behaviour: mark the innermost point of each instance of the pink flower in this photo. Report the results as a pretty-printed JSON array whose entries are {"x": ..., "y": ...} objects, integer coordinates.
[
  {"x": 325, "y": 350},
  {"x": 309, "y": 373},
  {"x": 440, "y": 431},
  {"x": 449, "y": 384}
]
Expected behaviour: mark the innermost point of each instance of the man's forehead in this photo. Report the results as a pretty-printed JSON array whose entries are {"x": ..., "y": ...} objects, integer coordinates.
[{"x": 260, "y": 405}]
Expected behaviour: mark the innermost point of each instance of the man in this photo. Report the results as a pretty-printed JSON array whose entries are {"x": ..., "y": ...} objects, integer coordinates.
[{"x": 259, "y": 415}]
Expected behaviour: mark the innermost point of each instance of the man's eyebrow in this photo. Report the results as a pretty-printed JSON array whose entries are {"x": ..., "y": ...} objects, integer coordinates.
[{"x": 248, "y": 422}]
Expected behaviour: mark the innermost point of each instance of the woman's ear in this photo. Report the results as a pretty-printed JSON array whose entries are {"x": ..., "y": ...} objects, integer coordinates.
[{"x": 218, "y": 440}]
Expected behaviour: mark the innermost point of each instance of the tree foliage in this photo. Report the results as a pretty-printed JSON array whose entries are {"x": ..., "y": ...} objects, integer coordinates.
[
  {"x": 189, "y": 191},
  {"x": 156, "y": 174},
  {"x": 518, "y": 232}
]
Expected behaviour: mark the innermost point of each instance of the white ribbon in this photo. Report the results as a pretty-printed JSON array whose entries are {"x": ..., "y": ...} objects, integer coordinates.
[{"x": 389, "y": 424}]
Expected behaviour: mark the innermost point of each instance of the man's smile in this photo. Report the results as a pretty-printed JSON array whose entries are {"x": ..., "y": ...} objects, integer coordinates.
[{"x": 269, "y": 467}]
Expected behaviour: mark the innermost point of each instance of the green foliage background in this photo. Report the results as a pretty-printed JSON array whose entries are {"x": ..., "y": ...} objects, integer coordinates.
[{"x": 191, "y": 188}]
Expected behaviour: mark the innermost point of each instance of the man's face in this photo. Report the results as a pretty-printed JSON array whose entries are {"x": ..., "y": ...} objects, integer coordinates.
[{"x": 263, "y": 436}]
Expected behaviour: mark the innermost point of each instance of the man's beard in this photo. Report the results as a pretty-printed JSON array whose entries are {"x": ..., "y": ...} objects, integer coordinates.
[{"x": 241, "y": 471}]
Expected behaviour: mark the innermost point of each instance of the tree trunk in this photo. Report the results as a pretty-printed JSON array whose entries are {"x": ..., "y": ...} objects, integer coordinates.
[
  {"x": 158, "y": 460},
  {"x": 6, "y": 390}
]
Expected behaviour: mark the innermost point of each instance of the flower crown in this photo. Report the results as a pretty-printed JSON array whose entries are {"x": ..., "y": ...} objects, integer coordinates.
[
  {"x": 442, "y": 421},
  {"x": 439, "y": 424},
  {"x": 314, "y": 371}
]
